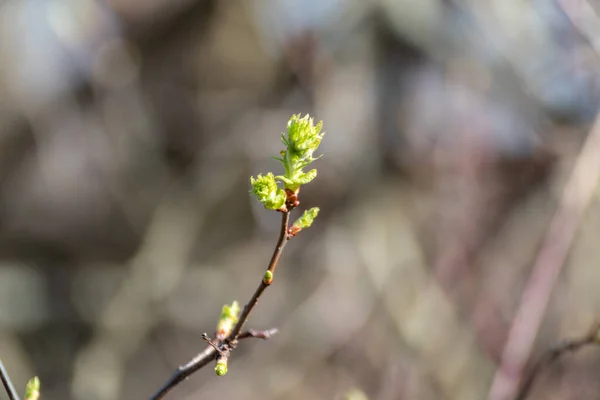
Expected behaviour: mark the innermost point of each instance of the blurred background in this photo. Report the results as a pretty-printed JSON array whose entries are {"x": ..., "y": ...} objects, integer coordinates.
[{"x": 129, "y": 130}]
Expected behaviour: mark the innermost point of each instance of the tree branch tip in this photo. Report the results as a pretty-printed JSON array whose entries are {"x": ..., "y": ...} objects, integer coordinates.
[
  {"x": 302, "y": 140},
  {"x": 265, "y": 335}
]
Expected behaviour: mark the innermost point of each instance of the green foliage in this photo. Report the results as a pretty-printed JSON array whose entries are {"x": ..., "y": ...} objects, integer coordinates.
[
  {"x": 228, "y": 319},
  {"x": 32, "y": 390},
  {"x": 307, "y": 218},
  {"x": 266, "y": 191},
  {"x": 301, "y": 141}
]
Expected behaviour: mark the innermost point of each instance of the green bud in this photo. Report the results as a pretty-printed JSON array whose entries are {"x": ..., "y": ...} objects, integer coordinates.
[
  {"x": 307, "y": 219},
  {"x": 303, "y": 136},
  {"x": 267, "y": 192},
  {"x": 32, "y": 390},
  {"x": 268, "y": 277},
  {"x": 221, "y": 367},
  {"x": 228, "y": 319},
  {"x": 302, "y": 140}
]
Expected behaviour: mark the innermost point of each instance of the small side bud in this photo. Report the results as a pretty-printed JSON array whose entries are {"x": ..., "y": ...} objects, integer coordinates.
[
  {"x": 32, "y": 390},
  {"x": 227, "y": 320},
  {"x": 221, "y": 367},
  {"x": 305, "y": 221},
  {"x": 268, "y": 277}
]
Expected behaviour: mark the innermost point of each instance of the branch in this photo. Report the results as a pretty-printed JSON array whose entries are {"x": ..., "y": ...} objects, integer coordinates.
[
  {"x": 184, "y": 371},
  {"x": 553, "y": 253},
  {"x": 8, "y": 386},
  {"x": 302, "y": 139},
  {"x": 251, "y": 333},
  {"x": 223, "y": 348},
  {"x": 553, "y": 355},
  {"x": 283, "y": 239}
]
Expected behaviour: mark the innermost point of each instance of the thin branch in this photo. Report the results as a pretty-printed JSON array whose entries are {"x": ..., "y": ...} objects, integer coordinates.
[
  {"x": 209, "y": 353},
  {"x": 184, "y": 371},
  {"x": 251, "y": 333},
  {"x": 214, "y": 345},
  {"x": 553, "y": 253},
  {"x": 283, "y": 239},
  {"x": 8, "y": 386},
  {"x": 552, "y": 355}
]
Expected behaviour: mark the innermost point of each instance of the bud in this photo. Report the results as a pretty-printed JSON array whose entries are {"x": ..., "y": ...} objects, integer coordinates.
[
  {"x": 267, "y": 192},
  {"x": 227, "y": 320},
  {"x": 305, "y": 221},
  {"x": 302, "y": 140},
  {"x": 32, "y": 390},
  {"x": 303, "y": 136},
  {"x": 268, "y": 277},
  {"x": 221, "y": 367}
]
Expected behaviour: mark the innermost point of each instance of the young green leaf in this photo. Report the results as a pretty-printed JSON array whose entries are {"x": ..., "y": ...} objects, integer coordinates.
[
  {"x": 265, "y": 189},
  {"x": 228, "y": 319},
  {"x": 302, "y": 140},
  {"x": 32, "y": 390},
  {"x": 305, "y": 221}
]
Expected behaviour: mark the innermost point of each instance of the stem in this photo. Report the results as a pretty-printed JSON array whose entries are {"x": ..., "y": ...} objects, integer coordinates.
[
  {"x": 553, "y": 253},
  {"x": 8, "y": 386},
  {"x": 552, "y": 356},
  {"x": 184, "y": 371},
  {"x": 209, "y": 353},
  {"x": 257, "y": 334},
  {"x": 283, "y": 239}
]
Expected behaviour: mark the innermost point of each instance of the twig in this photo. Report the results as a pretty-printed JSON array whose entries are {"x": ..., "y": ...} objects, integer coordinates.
[
  {"x": 184, "y": 371},
  {"x": 214, "y": 345},
  {"x": 283, "y": 239},
  {"x": 576, "y": 197},
  {"x": 251, "y": 333},
  {"x": 222, "y": 348},
  {"x": 8, "y": 386},
  {"x": 553, "y": 355}
]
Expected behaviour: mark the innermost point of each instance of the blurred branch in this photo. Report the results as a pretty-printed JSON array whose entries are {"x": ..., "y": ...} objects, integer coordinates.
[
  {"x": 184, "y": 371},
  {"x": 251, "y": 333},
  {"x": 223, "y": 348},
  {"x": 553, "y": 253},
  {"x": 8, "y": 386},
  {"x": 281, "y": 241},
  {"x": 569, "y": 9},
  {"x": 553, "y": 355}
]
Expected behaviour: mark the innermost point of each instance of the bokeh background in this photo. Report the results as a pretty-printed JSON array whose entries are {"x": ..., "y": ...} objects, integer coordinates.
[{"x": 129, "y": 130}]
